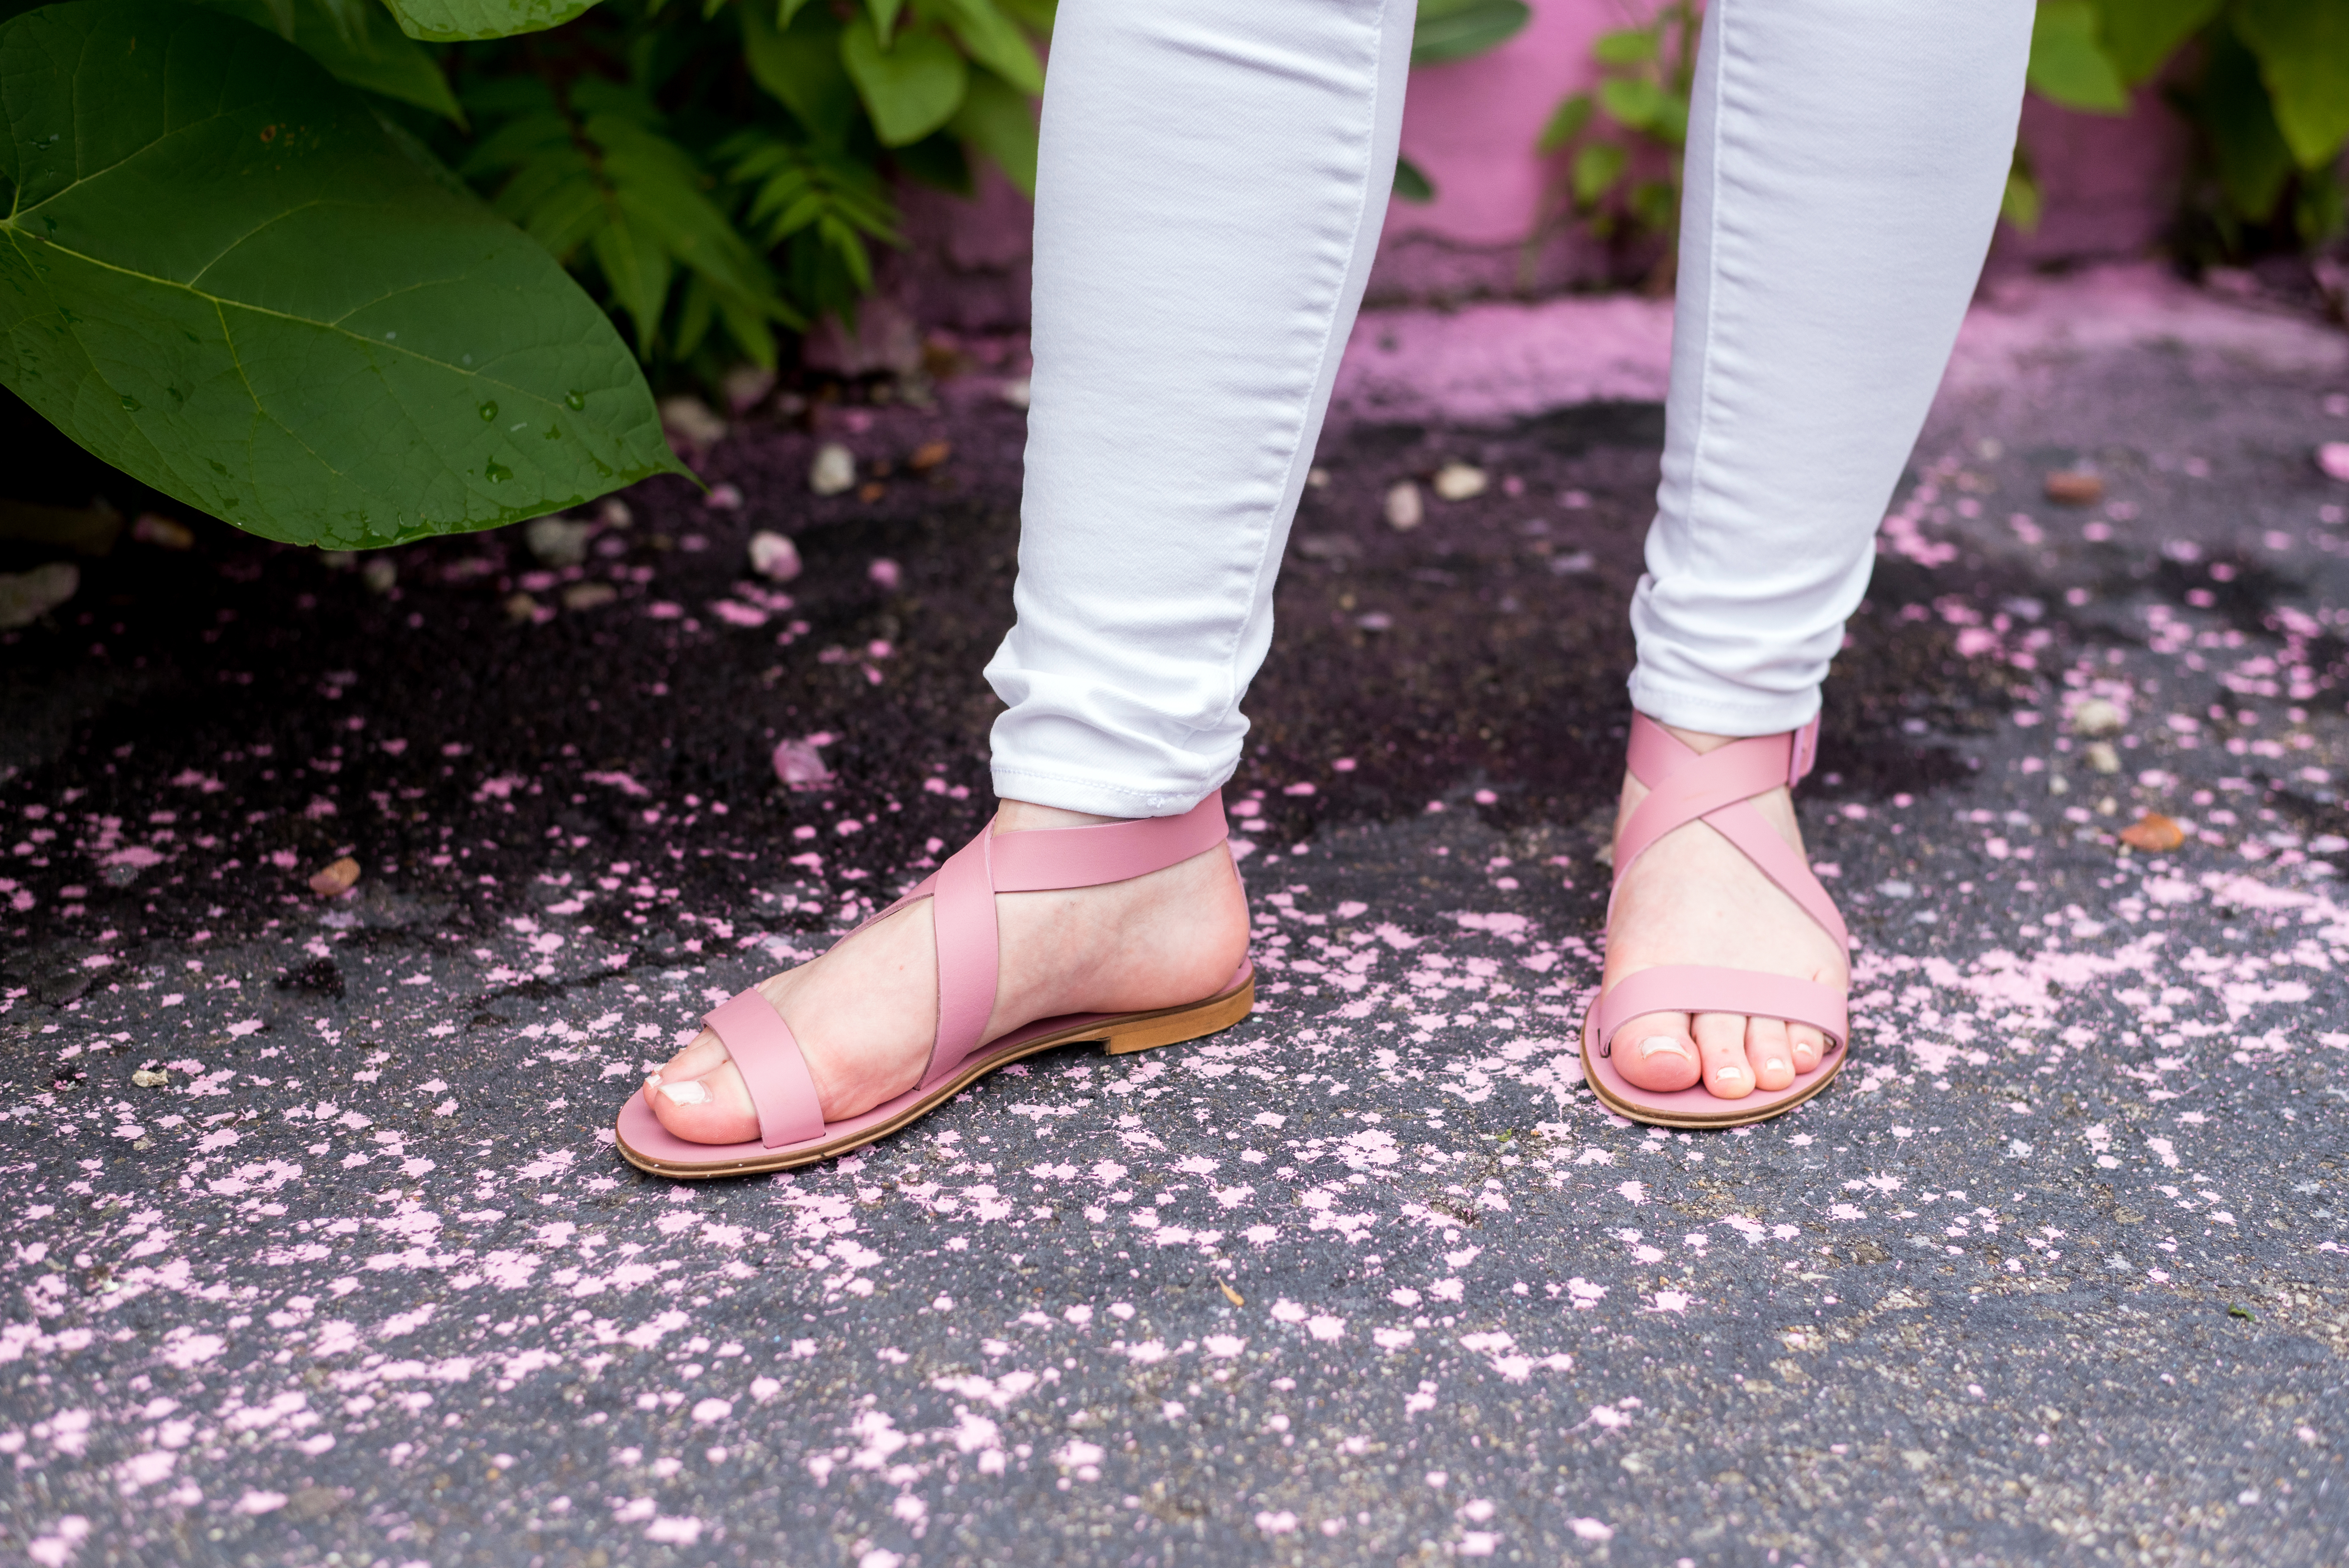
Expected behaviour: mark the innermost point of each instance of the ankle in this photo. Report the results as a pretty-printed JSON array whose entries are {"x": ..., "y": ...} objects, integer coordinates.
[{"x": 1026, "y": 816}]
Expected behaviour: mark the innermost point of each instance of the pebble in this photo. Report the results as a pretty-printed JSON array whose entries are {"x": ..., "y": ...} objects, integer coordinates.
[
  {"x": 557, "y": 541},
  {"x": 692, "y": 420},
  {"x": 834, "y": 471},
  {"x": 589, "y": 596},
  {"x": 746, "y": 385},
  {"x": 1317, "y": 479},
  {"x": 2096, "y": 717},
  {"x": 1459, "y": 482},
  {"x": 1015, "y": 392},
  {"x": 616, "y": 513},
  {"x": 380, "y": 574},
  {"x": 929, "y": 455},
  {"x": 2153, "y": 833},
  {"x": 149, "y": 1077},
  {"x": 163, "y": 533},
  {"x": 336, "y": 878},
  {"x": 773, "y": 556},
  {"x": 521, "y": 607},
  {"x": 2334, "y": 459},
  {"x": 2102, "y": 757},
  {"x": 27, "y": 596},
  {"x": 1404, "y": 510},
  {"x": 2075, "y": 487}
]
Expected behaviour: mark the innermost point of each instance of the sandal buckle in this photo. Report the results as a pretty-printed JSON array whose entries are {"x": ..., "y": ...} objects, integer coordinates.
[{"x": 1802, "y": 751}]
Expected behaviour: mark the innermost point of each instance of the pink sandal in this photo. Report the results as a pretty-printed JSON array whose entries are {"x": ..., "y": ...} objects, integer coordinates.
[
  {"x": 1715, "y": 787},
  {"x": 791, "y": 1128}
]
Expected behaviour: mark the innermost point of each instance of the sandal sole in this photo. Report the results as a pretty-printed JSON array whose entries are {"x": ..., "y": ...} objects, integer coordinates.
[
  {"x": 1651, "y": 1115},
  {"x": 1119, "y": 1035}
]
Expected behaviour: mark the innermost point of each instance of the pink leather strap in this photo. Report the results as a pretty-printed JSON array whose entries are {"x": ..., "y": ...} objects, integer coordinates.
[
  {"x": 1715, "y": 787},
  {"x": 962, "y": 913},
  {"x": 772, "y": 1070},
  {"x": 1701, "y": 988},
  {"x": 1107, "y": 852}
]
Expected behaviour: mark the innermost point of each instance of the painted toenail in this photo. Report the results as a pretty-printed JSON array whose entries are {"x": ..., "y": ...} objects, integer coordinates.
[
  {"x": 692, "y": 1091},
  {"x": 1726, "y": 1073},
  {"x": 1774, "y": 1065},
  {"x": 1659, "y": 1045}
]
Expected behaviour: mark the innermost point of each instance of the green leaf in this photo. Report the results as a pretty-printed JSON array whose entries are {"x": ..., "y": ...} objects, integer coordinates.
[
  {"x": 785, "y": 10},
  {"x": 884, "y": 17},
  {"x": 800, "y": 67},
  {"x": 994, "y": 42},
  {"x": 1566, "y": 122},
  {"x": 1036, "y": 15},
  {"x": 1597, "y": 166},
  {"x": 996, "y": 118},
  {"x": 2140, "y": 35},
  {"x": 2252, "y": 159},
  {"x": 1457, "y": 29},
  {"x": 1635, "y": 102},
  {"x": 910, "y": 88},
  {"x": 221, "y": 277},
  {"x": 1627, "y": 46},
  {"x": 358, "y": 45},
  {"x": 2320, "y": 212},
  {"x": 2021, "y": 203},
  {"x": 453, "y": 21},
  {"x": 1410, "y": 184},
  {"x": 2068, "y": 67},
  {"x": 2304, "y": 52}
]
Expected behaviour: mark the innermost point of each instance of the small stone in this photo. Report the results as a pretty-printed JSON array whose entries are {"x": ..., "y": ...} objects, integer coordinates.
[
  {"x": 870, "y": 491},
  {"x": 151, "y": 1078},
  {"x": 2056, "y": 786},
  {"x": 929, "y": 455},
  {"x": 691, "y": 420},
  {"x": 1317, "y": 479},
  {"x": 2153, "y": 833},
  {"x": 886, "y": 574},
  {"x": 336, "y": 878},
  {"x": 1337, "y": 547},
  {"x": 589, "y": 596},
  {"x": 1015, "y": 392},
  {"x": 27, "y": 596},
  {"x": 723, "y": 497},
  {"x": 2075, "y": 487},
  {"x": 746, "y": 385},
  {"x": 773, "y": 556},
  {"x": 557, "y": 541},
  {"x": 615, "y": 514},
  {"x": 1375, "y": 621},
  {"x": 834, "y": 470},
  {"x": 1459, "y": 482},
  {"x": 380, "y": 574},
  {"x": 163, "y": 533},
  {"x": 1404, "y": 510},
  {"x": 2334, "y": 459},
  {"x": 2096, "y": 717},
  {"x": 2101, "y": 756},
  {"x": 521, "y": 607}
]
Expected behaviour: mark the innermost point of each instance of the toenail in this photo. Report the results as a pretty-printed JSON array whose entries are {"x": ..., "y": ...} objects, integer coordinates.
[
  {"x": 1656, "y": 1045},
  {"x": 1726, "y": 1073},
  {"x": 692, "y": 1091},
  {"x": 1774, "y": 1065}
]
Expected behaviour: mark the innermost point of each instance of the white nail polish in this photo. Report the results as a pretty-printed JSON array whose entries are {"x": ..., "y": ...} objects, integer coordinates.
[
  {"x": 1726, "y": 1073},
  {"x": 1774, "y": 1065},
  {"x": 692, "y": 1091},
  {"x": 1656, "y": 1045}
]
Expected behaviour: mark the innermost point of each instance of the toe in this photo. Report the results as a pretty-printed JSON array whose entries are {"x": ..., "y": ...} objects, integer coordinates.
[
  {"x": 711, "y": 1107},
  {"x": 706, "y": 1053},
  {"x": 1808, "y": 1045},
  {"x": 1768, "y": 1053},
  {"x": 1655, "y": 1052},
  {"x": 1721, "y": 1043}
]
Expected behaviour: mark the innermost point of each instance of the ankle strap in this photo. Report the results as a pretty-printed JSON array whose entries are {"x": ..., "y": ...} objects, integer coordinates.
[{"x": 1043, "y": 859}]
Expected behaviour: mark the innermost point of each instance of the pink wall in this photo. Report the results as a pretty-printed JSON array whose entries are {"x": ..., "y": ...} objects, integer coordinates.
[{"x": 2111, "y": 184}]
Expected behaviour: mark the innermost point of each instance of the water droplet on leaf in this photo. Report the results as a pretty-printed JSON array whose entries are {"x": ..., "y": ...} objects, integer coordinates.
[
  {"x": 497, "y": 472},
  {"x": 488, "y": 412},
  {"x": 132, "y": 403},
  {"x": 573, "y": 401}
]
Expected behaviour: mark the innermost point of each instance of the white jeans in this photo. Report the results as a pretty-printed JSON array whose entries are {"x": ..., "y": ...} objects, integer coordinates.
[{"x": 1213, "y": 180}]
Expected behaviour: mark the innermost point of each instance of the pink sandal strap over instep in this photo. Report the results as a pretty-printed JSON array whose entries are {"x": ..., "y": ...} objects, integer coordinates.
[
  {"x": 791, "y": 1128},
  {"x": 1717, "y": 787}
]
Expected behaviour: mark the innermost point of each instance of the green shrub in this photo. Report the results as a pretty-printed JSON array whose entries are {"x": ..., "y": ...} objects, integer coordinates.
[{"x": 301, "y": 262}]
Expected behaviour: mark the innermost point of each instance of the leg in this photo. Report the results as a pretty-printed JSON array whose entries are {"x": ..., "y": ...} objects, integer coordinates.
[
  {"x": 1844, "y": 162},
  {"x": 1212, "y": 183}
]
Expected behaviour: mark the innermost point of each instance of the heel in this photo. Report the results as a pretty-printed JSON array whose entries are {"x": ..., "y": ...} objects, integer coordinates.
[{"x": 1189, "y": 1024}]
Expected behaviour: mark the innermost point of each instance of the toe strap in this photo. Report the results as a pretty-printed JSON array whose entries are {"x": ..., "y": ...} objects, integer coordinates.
[
  {"x": 773, "y": 1068},
  {"x": 1701, "y": 988}
]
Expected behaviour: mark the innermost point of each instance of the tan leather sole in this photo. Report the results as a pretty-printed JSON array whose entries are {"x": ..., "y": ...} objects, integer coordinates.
[{"x": 1119, "y": 1035}]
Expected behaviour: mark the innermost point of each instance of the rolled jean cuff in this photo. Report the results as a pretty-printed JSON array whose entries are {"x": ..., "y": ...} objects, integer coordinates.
[
  {"x": 1102, "y": 798},
  {"x": 1708, "y": 710}
]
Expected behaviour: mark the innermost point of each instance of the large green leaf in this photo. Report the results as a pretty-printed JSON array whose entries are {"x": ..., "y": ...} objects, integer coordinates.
[
  {"x": 2141, "y": 35},
  {"x": 2250, "y": 154},
  {"x": 2304, "y": 50},
  {"x": 912, "y": 88},
  {"x": 454, "y": 21},
  {"x": 220, "y": 276},
  {"x": 997, "y": 118},
  {"x": 994, "y": 42},
  {"x": 2067, "y": 64},
  {"x": 361, "y": 46},
  {"x": 1456, "y": 29}
]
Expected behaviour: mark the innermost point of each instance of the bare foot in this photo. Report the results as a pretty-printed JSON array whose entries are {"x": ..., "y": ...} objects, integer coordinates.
[
  {"x": 866, "y": 1012},
  {"x": 1693, "y": 898}
]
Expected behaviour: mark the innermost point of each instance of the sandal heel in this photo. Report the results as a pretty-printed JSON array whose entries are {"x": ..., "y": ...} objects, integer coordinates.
[{"x": 1190, "y": 1023}]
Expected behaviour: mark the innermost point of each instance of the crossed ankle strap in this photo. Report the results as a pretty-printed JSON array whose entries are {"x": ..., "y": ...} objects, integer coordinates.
[{"x": 962, "y": 911}]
